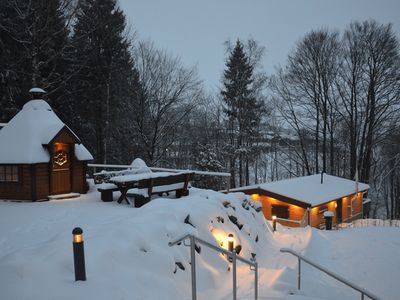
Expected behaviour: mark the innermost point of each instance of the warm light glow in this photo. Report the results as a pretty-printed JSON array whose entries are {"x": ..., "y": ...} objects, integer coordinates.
[
  {"x": 255, "y": 197},
  {"x": 78, "y": 238},
  {"x": 335, "y": 204},
  {"x": 222, "y": 237},
  {"x": 273, "y": 217},
  {"x": 230, "y": 238}
]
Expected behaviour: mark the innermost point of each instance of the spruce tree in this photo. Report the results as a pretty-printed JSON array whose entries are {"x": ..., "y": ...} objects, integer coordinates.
[
  {"x": 33, "y": 39},
  {"x": 104, "y": 80},
  {"x": 242, "y": 110}
]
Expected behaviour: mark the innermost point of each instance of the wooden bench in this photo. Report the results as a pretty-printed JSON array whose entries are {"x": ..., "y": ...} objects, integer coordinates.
[
  {"x": 106, "y": 190},
  {"x": 158, "y": 185}
]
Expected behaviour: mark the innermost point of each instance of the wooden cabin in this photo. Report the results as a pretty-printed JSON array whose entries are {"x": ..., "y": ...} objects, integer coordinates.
[
  {"x": 305, "y": 199},
  {"x": 40, "y": 156}
]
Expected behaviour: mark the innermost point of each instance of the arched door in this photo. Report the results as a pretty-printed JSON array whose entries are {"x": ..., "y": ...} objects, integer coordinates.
[{"x": 61, "y": 172}]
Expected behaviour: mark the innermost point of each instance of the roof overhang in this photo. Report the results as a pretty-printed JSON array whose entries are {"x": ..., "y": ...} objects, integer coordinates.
[
  {"x": 66, "y": 129},
  {"x": 297, "y": 202},
  {"x": 263, "y": 192}
]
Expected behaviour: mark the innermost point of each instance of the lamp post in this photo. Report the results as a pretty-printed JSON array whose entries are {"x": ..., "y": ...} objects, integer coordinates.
[
  {"x": 79, "y": 255},
  {"x": 274, "y": 223}
]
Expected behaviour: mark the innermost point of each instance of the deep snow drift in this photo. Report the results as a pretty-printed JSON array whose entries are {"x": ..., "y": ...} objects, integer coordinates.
[{"x": 128, "y": 257}]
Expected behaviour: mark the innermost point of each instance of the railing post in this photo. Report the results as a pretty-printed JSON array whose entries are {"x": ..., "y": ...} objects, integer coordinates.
[
  {"x": 362, "y": 296},
  {"x": 234, "y": 273},
  {"x": 299, "y": 274},
  {"x": 256, "y": 281},
  {"x": 193, "y": 266}
]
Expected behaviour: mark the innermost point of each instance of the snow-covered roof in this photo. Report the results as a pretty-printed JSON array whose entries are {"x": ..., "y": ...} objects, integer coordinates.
[
  {"x": 308, "y": 189},
  {"x": 22, "y": 139}
]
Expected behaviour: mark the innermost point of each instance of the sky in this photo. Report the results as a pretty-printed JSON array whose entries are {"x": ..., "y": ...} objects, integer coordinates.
[{"x": 196, "y": 30}]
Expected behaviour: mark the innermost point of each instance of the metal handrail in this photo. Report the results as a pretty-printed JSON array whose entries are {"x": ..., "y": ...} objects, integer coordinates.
[
  {"x": 231, "y": 254},
  {"x": 326, "y": 271}
]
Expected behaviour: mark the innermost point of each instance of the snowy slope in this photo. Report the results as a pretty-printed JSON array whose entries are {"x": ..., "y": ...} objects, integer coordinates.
[{"x": 128, "y": 257}]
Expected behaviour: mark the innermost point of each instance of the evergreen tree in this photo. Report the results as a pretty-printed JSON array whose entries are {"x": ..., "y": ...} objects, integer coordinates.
[
  {"x": 33, "y": 40},
  {"x": 242, "y": 109},
  {"x": 104, "y": 80}
]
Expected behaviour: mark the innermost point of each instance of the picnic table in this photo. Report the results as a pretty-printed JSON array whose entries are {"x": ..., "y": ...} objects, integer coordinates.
[{"x": 142, "y": 186}]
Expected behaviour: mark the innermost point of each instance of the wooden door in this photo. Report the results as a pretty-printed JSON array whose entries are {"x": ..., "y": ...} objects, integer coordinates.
[{"x": 61, "y": 169}]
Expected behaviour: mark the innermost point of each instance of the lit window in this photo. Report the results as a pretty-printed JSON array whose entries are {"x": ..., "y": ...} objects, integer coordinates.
[{"x": 8, "y": 173}]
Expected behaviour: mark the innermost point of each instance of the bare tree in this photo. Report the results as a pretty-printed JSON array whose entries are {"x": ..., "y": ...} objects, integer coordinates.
[
  {"x": 170, "y": 92},
  {"x": 369, "y": 90}
]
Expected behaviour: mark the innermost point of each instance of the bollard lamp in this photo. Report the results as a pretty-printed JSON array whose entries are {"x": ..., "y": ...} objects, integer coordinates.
[
  {"x": 79, "y": 255},
  {"x": 230, "y": 242},
  {"x": 274, "y": 222}
]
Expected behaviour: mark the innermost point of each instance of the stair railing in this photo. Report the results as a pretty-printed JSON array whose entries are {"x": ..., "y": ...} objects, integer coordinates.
[
  {"x": 232, "y": 255},
  {"x": 326, "y": 271}
]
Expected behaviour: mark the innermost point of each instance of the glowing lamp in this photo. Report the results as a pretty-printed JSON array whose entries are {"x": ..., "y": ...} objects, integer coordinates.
[
  {"x": 274, "y": 222},
  {"x": 77, "y": 235},
  {"x": 230, "y": 242},
  {"x": 79, "y": 255}
]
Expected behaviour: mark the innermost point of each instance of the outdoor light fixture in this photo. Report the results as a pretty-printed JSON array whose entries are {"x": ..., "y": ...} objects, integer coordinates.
[
  {"x": 230, "y": 242},
  {"x": 79, "y": 256},
  {"x": 274, "y": 222}
]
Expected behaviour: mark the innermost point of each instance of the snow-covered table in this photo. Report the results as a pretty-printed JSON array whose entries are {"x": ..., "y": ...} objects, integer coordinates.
[{"x": 142, "y": 186}]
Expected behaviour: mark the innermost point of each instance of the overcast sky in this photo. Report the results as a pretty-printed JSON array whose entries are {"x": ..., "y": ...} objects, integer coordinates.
[{"x": 196, "y": 30}]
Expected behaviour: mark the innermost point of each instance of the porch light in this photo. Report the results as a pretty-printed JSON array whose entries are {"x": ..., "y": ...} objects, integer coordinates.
[{"x": 274, "y": 222}]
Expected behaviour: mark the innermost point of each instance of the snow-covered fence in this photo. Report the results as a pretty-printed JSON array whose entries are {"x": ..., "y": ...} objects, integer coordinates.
[
  {"x": 371, "y": 223},
  {"x": 96, "y": 167}
]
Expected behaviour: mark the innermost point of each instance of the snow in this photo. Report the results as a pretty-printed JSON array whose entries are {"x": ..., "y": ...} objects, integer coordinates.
[
  {"x": 157, "y": 189},
  {"x": 128, "y": 257},
  {"x": 308, "y": 189},
  {"x": 328, "y": 213},
  {"x": 140, "y": 176},
  {"x": 23, "y": 138},
  {"x": 37, "y": 90},
  {"x": 81, "y": 153},
  {"x": 140, "y": 166}
]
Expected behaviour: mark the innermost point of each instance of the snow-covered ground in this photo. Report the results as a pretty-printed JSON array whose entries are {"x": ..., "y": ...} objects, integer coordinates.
[{"x": 128, "y": 257}]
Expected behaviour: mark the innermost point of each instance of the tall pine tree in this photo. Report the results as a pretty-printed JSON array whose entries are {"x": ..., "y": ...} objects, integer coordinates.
[
  {"x": 242, "y": 110},
  {"x": 33, "y": 40},
  {"x": 104, "y": 80}
]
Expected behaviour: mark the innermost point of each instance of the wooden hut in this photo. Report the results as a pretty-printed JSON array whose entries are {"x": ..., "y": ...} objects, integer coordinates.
[
  {"x": 305, "y": 199},
  {"x": 40, "y": 156}
]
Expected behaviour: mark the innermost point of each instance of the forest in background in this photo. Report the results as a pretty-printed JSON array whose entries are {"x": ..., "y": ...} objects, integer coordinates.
[{"x": 333, "y": 107}]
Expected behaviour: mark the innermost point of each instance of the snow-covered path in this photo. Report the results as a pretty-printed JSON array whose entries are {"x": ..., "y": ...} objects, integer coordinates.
[{"x": 127, "y": 253}]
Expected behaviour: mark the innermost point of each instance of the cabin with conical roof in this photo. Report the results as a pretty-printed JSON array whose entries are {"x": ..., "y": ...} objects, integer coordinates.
[{"x": 40, "y": 156}]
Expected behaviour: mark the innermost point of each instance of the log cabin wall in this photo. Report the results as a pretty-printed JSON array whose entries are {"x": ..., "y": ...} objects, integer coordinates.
[
  {"x": 317, "y": 213},
  {"x": 352, "y": 210},
  {"x": 22, "y": 189},
  {"x": 42, "y": 181},
  {"x": 296, "y": 213},
  {"x": 79, "y": 177}
]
